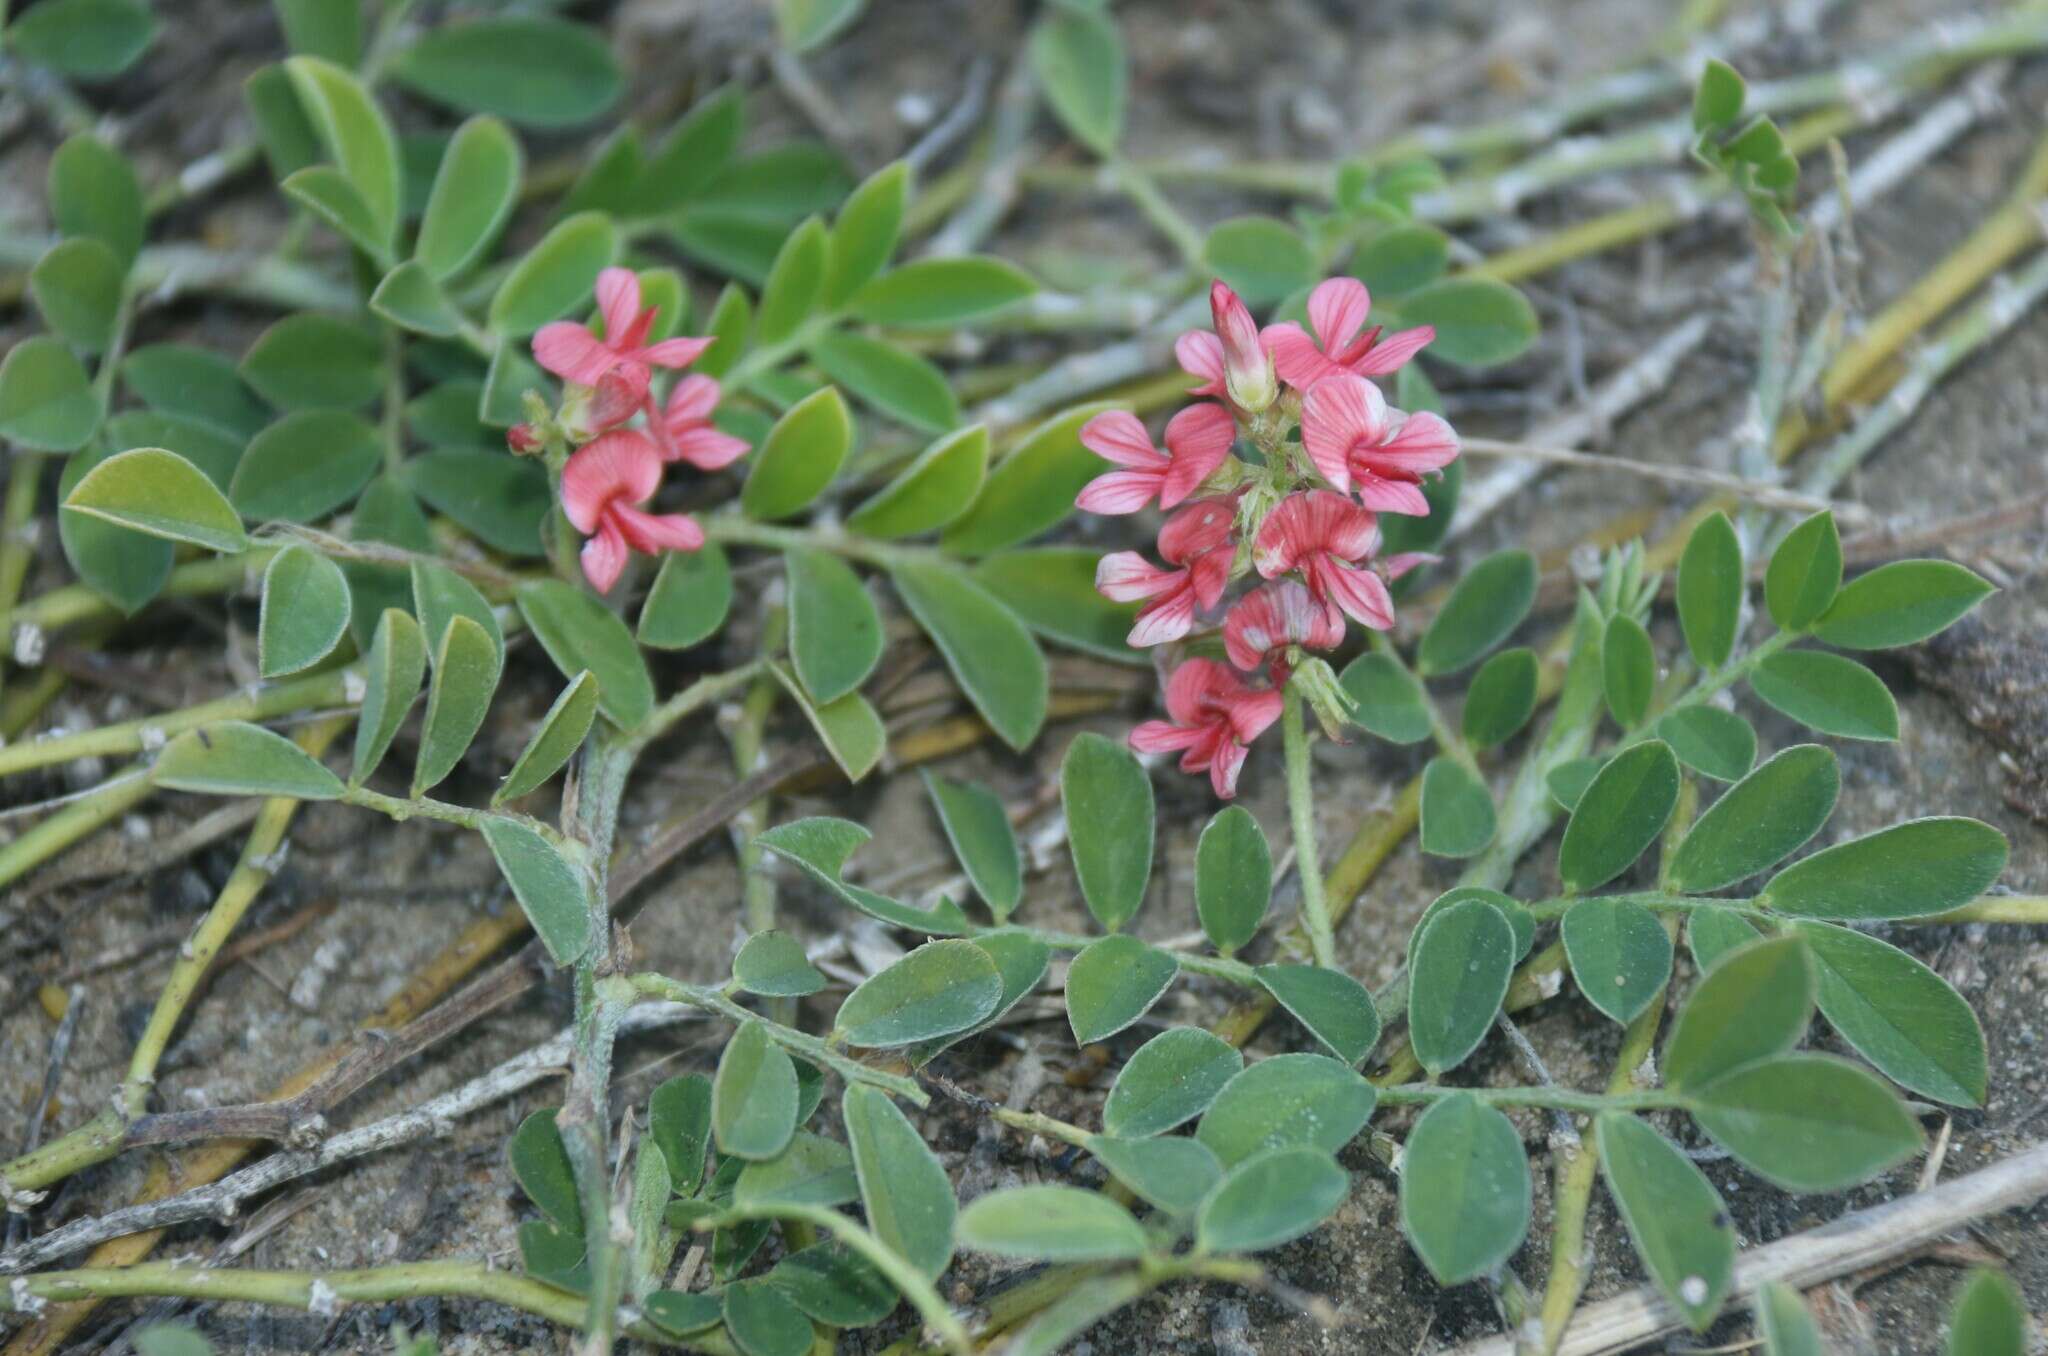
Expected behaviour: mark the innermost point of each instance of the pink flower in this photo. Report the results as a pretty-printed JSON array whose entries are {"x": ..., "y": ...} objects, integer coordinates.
[
  {"x": 1216, "y": 716},
  {"x": 573, "y": 353},
  {"x": 1337, "y": 310},
  {"x": 1323, "y": 536},
  {"x": 603, "y": 485},
  {"x": 1356, "y": 441},
  {"x": 1247, "y": 360},
  {"x": 684, "y": 431},
  {"x": 1200, "y": 354},
  {"x": 1197, "y": 441},
  {"x": 1197, "y": 540},
  {"x": 1270, "y": 619}
]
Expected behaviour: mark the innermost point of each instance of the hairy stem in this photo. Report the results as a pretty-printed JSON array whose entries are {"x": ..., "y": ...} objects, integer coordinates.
[{"x": 1301, "y": 809}]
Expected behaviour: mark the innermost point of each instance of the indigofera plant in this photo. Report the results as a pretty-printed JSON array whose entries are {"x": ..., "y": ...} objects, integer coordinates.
[{"x": 537, "y": 364}]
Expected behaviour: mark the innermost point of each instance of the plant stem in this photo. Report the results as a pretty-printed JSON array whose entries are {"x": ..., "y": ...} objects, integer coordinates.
[
  {"x": 106, "y": 803},
  {"x": 911, "y": 1283},
  {"x": 76, "y": 603},
  {"x": 733, "y": 529},
  {"x": 1301, "y": 809},
  {"x": 1561, "y": 1099},
  {"x": 1138, "y": 186}
]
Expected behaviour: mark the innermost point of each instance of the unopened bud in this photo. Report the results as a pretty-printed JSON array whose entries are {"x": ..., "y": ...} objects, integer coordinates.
[
  {"x": 523, "y": 439},
  {"x": 1247, "y": 364},
  {"x": 1317, "y": 683}
]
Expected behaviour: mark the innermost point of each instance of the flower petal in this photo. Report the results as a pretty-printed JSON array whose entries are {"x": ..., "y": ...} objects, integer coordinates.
[
  {"x": 604, "y": 557},
  {"x": 618, "y": 467},
  {"x": 706, "y": 448},
  {"x": 1339, "y": 413},
  {"x": 1393, "y": 351},
  {"x": 1200, "y": 354},
  {"x": 1337, "y": 310},
  {"x": 1117, "y": 436},
  {"x": 1303, "y": 526},
  {"x": 1198, "y": 439},
  {"x": 1252, "y": 711},
  {"x": 1196, "y": 528},
  {"x": 1160, "y": 736},
  {"x": 572, "y": 352},
  {"x": 692, "y": 400},
  {"x": 1384, "y": 495},
  {"x": 618, "y": 301},
  {"x": 1127, "y": 577},
  {"x": 677, "y": 352},
  {"x": 1166, "y": 619},
  {"x": 1119, "y": 492},
  {"x": 1209, "y": 575},
  {"x": 1295, "y": 356},
  {"x": 652, "y": 533},
  {"x": 1192, "y": 688},
  {"x": 1424, "y": 442},
  {"x": 1224, "y": 766},
  {"x": 1361, "y": 594}
]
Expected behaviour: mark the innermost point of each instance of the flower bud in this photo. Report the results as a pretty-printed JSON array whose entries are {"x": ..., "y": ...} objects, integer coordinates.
[
  {"x": 1317, "y": 683},
  {"x": 523, "y": 439},
  {"x": 1247, "y": 364}
]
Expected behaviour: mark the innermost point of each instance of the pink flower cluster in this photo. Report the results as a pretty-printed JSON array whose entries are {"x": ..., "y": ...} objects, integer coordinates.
[
  {"x": 618, "y": 469},
  {"x": 1310, "y": 513}
]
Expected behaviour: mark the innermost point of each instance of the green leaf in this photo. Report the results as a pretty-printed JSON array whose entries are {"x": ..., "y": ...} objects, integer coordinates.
[
  {"x": 1464, "y": 1189},
  {"x": 385, "y": 513},
  {"x": 554, "y": 894},
  {"x": 1676, "y": 1219},
  {"x": 1910, "y": 870},
  {"x": 323, "y": 29},
  {"x": 819, "y": 848},
  {"x": 311, "y": 361},
  {"x": 466, "y": 668},
  {"x": 907, "y": 388},
  {"x": 555, "y": 739},
  {"x": 1828, "y": 693},
  {"x": 440, "y": 595},
  {"x": 556, "y": 276},
  {"x": 679, "y": 1123},
  {"x": 1022, "y": 961},
  {"x": 1620, "y": 955},
  {"x": 304, "y": 612},
  {"x": 1112, "y": 983},
  {"x": 992, "y": 656},
  {"x": 92, "y": 187},
  {"x": 794, "y": 283},
  {"x": 1713, "y": 932},
  {"x": 83, "y": 39},
  {"x": 393, "y": 670},
  {"x": 233, "y": 758},
  {"x": 1030, "y": 490},
  {"x": 1485, "y": 607},
  {"x": 410, "y": 299},
  {"x": 1457, "y": 810},
  {"x": 1710, "y": 591},
  {"x": 800, "y": 456},
  {"x": 835, "y": 634},
  {"x": 941, "y": 293},
  {"x": 167, "y": 1339},
  {"x": 1168, "y": 1081},
  {"x": 848, "y": 727},
  {"x": 158, "y": 492},
  {"x": 197, "y": 382},
  {"x": 753, "y": 1098},
  {"x": 1628, "y": 670},
  {"x": 1717, "y": 100},
  {"x": 332, "y": 197},
  {"x": 1568, "y": 780},
  {"x": 695, "y": 152},
  {"x": 764, "y": 1322},
  {"x": 305, "y": 466},
  {"x": 935, "y": 990},
  {"x": 865, "y": 233},
  {"x": 1331, "y": 1005},
  {"x": 211, "y": 449},
  {"x": 355, "y": 133},
  {"x": 1171, "y": 1173},
  {"x": 1401, "y": 258},
  {"x": 1458, "y": 975},
  {"x": 773, "y": 965},
  {"x": 540, "y": 1163},
  {"x": 1619, "y": 815},
  {"x": 1078, "y": 56},
  {"x": 1051, "y": 1224},
  {"x": 683, "y": 1312},
  {"x": 1520, "y": 921},
  {"x": 1786, "y": 1324},
  {"x": 579, "y": 633},
  {"x": 1805, "y": 573},
  {"x": 46, "y": 402},
  {"x": 1233, "y": 878},
  {"x": 731, "y": 320},
  {"x": 506, "y": 381},
  {"x": 1807, "y": 1122},
  {"x": 1900, "y": 604},
  {"x": 1710, "y": 741},
  {"x": 1501, "y": 699},
  {"x": 1990, "y": 1317},
  {"x": 1480, "y": 322},
  {"x": 538, "y": 72},
  {"x": 691, "y": 596},
  {"x": 283, "y": 129},
  {"x": 1052, "y": 590},
  {"x": 1269, "y": 1199},
  {"x": 1390, "y": 703},
  {"x": 1759, "y": 822},
  {"x": 1262, "y": 259},
  {"x": 501, "y": 500},
  {"x": 906, "y": 1193},
  {"x": 1898, "y": 1014},
  {"x": 125, "y": 567},
  {"x": 979, "y": 829},
  {"x": 1753, "y": 1004},
  {"x": 1287, "y": 1101},
  {"x": 77, "y": 287},
  {"x": 834, "y": 1285},
  {"x": 1108, "y": 802},
  {"x": 813, "y": 1170}
]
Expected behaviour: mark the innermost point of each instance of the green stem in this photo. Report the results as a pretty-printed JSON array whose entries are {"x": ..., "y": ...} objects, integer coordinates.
[
  {"x": 691, "y": 699},
  {"x": 732, "y": 529},
  {"x": 911, "y": 1283},
  {"x": 1308, "y": 861},
  {"x": 102, "y": 806},
  {"x": 1559, "y": 1099},
  {"x": 1138, "y": 186}
]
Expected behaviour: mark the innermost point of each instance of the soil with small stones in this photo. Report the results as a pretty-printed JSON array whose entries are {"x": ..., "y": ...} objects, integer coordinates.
[{"x": 1292, "y": 79}]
